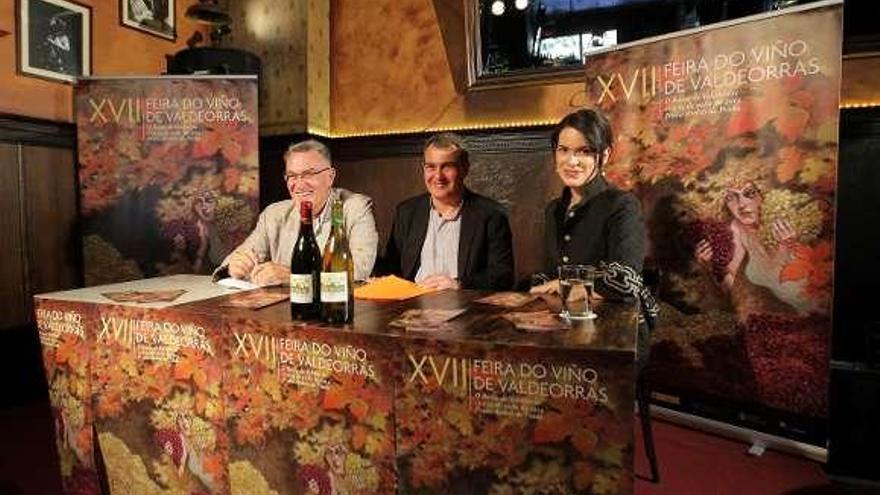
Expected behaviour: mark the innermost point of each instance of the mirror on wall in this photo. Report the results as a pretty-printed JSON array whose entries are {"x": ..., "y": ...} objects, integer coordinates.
[{"x": 539, "y": 41}]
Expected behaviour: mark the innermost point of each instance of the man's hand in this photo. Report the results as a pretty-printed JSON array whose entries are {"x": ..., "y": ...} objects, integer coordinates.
[
  {"x": 242, "y": 263},
  {"x": 439, "y": 282},
  {"x": 270, "y": 273}
]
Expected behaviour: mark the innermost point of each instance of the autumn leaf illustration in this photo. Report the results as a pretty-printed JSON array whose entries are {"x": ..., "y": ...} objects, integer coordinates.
[
  {"x": 358, "y": 436},
  {"x": 744, "y": 121},
  {"x": 790, "y": 159},
  {"x": 811, "y": 263},
  {"x": 553, "y": 427},
  {"x": 232, "y": 142},
  {"x": 68, "y": 352},
  {"x": 584, "y": 440},
  {"x": 791, "y": 121},
  {"x": 583, "y": 475}
]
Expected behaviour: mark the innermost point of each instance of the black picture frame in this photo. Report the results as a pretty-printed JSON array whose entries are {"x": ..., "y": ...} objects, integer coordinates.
[
  {"x": 155, "y": 17},
  {"x": 54, "y": 39}
]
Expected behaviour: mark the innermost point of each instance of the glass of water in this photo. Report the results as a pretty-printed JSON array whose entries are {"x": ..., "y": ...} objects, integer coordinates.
[{"x": 576, "y": 288}]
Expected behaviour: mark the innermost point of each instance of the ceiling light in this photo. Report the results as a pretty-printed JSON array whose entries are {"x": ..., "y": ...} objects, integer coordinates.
[
  {"x": 497, "y": 7},
  {"x": 521, "y": 4}
]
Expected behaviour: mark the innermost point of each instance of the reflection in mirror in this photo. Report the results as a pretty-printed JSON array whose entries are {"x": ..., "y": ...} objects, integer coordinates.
[{"x": 532, "y": 40}]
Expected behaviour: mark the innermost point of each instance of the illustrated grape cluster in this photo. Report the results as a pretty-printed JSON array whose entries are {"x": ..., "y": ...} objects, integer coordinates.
[
  {"x": 233, "y": 215},
  {"x": 81, "y": 482},
  {"x": 169, "y": 440},
  {"x": 789, "y": 357},
  {"x": 719, "y": 236},
  {"x": 183, "y": 228},
  {"x": 800, "y": 210}
]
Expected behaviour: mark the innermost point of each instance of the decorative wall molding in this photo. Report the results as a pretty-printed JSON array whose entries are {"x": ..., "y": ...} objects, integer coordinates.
[{"x": 25, "y": 130}]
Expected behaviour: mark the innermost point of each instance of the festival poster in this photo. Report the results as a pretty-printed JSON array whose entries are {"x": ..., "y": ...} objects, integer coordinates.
[
  {"x": 65, "y": 329},
  {"x": 159, "y": 417},
  {"x": 168, "y": 173},
  {"x": 310, "y": 410},
  {"x": 729, "y": 137},
  {"x": 479, "y": 418}
]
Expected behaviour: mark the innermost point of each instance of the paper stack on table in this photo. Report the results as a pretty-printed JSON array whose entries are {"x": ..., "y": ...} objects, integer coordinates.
[{"x": 390, "y": 288}]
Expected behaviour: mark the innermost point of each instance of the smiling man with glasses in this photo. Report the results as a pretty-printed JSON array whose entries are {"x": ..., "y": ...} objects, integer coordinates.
[{"x": 264, "y": 257}]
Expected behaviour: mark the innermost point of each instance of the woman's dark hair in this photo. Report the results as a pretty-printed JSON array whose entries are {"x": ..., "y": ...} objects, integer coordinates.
[{"x": 592, "y": 124}]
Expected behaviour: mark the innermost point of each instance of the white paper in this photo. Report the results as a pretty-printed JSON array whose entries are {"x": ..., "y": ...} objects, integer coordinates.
[{"x": 234, "y": 283}]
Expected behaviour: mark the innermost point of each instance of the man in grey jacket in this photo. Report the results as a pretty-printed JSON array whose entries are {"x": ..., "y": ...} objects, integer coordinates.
[{"x": 264, "y": 257}]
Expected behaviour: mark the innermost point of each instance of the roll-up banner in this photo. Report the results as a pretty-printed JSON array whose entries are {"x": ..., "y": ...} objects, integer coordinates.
[
  {"x": 168, "y": 173},
  {"x": 729, "y": 137}
]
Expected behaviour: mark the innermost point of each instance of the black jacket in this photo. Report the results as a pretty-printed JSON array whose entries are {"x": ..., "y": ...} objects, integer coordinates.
[
  {"x": 606, "y": 226},
  {"x": 485, "y": 249}
]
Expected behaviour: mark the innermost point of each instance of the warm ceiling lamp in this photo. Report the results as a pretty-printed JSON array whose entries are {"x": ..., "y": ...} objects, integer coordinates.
[
  {"x": 208, "y": 12},
  {"x": 498, "y": 7},
  {"x": 521, "y": 4}
]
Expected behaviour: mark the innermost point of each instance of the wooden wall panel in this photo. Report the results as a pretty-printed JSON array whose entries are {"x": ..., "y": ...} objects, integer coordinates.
[
  {"x": 12, "y": 289},
  {"x": 386, "y": 180},
  {"x": 515, "y": 169},
  {"x": 318, "y": 67},
  {"x": 50, "y": 202},
  {"x": 275, "y": 30}
]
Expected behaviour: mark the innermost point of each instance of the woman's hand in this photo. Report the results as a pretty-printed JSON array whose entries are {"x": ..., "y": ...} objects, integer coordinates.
[
  {"x": 704, "y": 253},
  {"x": 550, "y": 287},
  {"x": 783, "y": 232}
]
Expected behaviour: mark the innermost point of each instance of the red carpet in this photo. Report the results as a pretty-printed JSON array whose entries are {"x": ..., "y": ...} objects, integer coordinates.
[
  {"x": 690, "y": 462},
  {"x": 695, "y": 463}
]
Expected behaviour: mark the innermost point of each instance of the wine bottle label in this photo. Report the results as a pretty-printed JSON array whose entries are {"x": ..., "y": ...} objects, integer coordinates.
[
  {"x": 301, "y": 288},
  {"x": 334, "y": 287}
]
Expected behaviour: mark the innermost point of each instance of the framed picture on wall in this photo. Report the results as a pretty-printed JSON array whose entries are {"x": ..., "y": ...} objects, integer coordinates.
[
  {"x": 155, "y": 17},
  {"x": 54, "y": 39}
]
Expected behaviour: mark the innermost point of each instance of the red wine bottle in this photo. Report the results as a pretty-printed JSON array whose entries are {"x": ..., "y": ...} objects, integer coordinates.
[{"x": 305, "y": 269}]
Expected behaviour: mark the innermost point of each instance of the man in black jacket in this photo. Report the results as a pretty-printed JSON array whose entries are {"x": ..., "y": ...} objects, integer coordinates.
[{"x": 450, "y": 237}]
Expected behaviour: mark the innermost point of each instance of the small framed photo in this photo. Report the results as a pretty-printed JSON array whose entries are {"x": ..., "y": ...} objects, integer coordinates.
[
  {"x": 154, "y": 17},
  {"x": 54, "y": 39}
]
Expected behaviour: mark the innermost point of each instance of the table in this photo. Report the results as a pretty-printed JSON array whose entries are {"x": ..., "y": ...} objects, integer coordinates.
[{"x": 196, "y": 397}]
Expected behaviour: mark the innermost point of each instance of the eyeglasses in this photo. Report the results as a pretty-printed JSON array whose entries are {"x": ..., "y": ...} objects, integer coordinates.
[
  {"x": 579, "y": 153},
  {"x": 308, "y": 174},
  {"x": 433, "y": 167}
]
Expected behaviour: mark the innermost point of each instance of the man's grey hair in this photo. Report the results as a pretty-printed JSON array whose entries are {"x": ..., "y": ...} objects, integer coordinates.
[
  {"x": 450, "y": 140},
  {"x": 306, "y": 146}
]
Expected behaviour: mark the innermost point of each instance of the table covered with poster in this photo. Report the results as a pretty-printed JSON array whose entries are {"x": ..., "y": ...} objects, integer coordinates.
[{"x": 177, "y": 385}]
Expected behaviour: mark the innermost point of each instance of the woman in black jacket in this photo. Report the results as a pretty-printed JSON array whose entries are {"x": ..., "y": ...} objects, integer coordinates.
[{"x": 593, "y": 222}]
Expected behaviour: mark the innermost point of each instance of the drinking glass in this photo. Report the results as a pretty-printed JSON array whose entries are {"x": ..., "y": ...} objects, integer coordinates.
[{"x": 576, "y": 288}]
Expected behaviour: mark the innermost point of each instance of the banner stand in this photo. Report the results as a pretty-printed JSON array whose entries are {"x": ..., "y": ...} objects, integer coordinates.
[{"x": 727, "y": 430}]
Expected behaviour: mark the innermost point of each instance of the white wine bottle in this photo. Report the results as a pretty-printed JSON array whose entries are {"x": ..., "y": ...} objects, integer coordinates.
[
  {"x": 337, "y": 273},
  {"x": 305, "y": 269}
]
